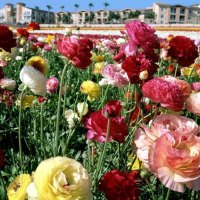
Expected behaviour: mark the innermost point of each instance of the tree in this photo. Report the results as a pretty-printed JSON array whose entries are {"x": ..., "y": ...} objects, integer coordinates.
[
  {"x": 62, "y": 8},
  {"x": 105, "y": 5},
  {"x": 36, "y": 13},
  {"x": 67, "y": 18},
  {"x": 76, "y": 6},
  {"x": 150, "y": 15},
  {"x": 134, "y": 14},
  {"x": 49, "y": 8},
  {"x": 90, "y": 6},
  {"x": 114, "y": 17}
]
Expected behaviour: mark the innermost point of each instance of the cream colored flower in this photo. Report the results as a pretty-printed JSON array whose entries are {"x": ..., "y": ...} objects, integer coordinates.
[
  {"x": 7, "y": 83},
  {"x": 82, "y": 108},
  {"x": 34, "y": 80},
  {"x": 17, "y": 189},
  {"x": 71, "y": 117},
  {"x": 32, "y": 192},
  {"x": 62, "y": 178}
]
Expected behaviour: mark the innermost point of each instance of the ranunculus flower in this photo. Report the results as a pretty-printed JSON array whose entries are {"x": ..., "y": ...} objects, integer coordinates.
[
  {"x": 32, "y": 192},
  {"x": 118, "y": 185},
  {"x": 33, "y": 26},
  {"x": 114, "y": 75},
  {"x": 166, "y": 93},
  {"x": 7, "y": 39},
  {"x": 141, "y": 35},
  {"x": 77, "y": 50},
  {"x": 170, "y": 148},
  {"x": 112, "y": 108},
  {"x": 52, "y": 85},
  {"x": 92, "y": 89},
  {"x": 27, "y": 101},
  {"x": 97, "y": 127},
  {"x": 34, "y": 80},
  {"x": 193, "y": 103},
  {"x": 71, "y": 117},
  {"x": 195, "y": 86},
  {"x": 82, "y": 108},
  {"x": 183, "y": 50},
  {"x": 17, "y": 189},
  {"x": 22, "y": 32},
  {"x": 62, "y": 178},
  {"x": 183, "y": 85},
  {"x": 7, "y": 83}
]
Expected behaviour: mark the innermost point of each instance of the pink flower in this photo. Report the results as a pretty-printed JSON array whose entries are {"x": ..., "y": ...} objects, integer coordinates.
[
  {"x": 183, "y": 85},
  {"x": 97, "y": 125},
  {"x": 141, "y": 35},
  {"x": 77, "y": 50},
  {"x": 114, "y": 75},
  {"x": 195, "y": 86},
  {"x": 193, "y": 103},
  {"x": 52, "y": 85},
  {"x": 7, "y": 83},
  {"x": 170, "y": 148},
  {"x": 166, "y": 93}
]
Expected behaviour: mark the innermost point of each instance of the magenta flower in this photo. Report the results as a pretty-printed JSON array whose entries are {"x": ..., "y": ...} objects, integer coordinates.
[{"x": 52, "y": 85}]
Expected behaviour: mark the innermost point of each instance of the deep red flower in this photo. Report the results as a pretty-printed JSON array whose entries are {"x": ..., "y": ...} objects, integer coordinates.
[
  {"x": 97, "y": 127},
  {"x": 7, "y": 40},
  {"x": 33, "y": 26},
  {"x": 22, "y": 32},
  {"x": 1, "y": 73},
  {"x": 77, "y": 50},
  {"x": 2, "y": 157},
  {"x": 118, "y": 185},
  {"x": 183, "y": 49},
  {"x": 112, "y": 108},
  {"x": 166, "y": 93},
  {"x": 141, "y": 35}
]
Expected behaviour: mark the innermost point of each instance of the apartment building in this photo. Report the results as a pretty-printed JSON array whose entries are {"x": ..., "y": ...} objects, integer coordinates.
[
  {"x": 175, "y": 14},
  {"x": 22, "y": 14}
]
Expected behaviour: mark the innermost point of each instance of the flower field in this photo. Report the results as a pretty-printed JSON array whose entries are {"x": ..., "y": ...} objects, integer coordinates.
[{"x": 98, "y": 115}]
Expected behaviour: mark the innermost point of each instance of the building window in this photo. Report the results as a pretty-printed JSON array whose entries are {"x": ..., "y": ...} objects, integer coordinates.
[
  {"x": 182, "y": 18},
  {"x": 173, "y": 10},
  {"x": 162, "y": 16},
  {"x": 172, "y": 17},
  {"x": 163, "y": 9},
  {"x": 198, "y": 12},
  {"x": 182, "y": 11}
]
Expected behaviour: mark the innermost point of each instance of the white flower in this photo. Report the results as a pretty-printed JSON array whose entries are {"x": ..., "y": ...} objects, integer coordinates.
[
  {"x": 82, "y": 108},
  {"x": 120, "y": 41},
  {"x": 7, "y": 83},
  {"x": 18, "y": 58},
  {"x": 71, "y": 117},
  {"x": 34, "y": 80},
  {"x": 32, "y": 192}
]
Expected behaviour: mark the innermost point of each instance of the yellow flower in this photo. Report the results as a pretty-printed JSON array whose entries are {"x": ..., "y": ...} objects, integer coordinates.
[
  {"x": 134, "y": 162},
  {"x": 97, "y": 58},
  {"x": 17, "y": 189},
  {"x": 92, "y": 89},
  {"x": 4, "y": 55},
  {"x": 62, "y": 178},
  {"x": 98, "y": 67},
  {"x": 188, "y": 71},
  {"x": 38, "y": 63},
  {"x": 27, "y": 101},
  {"x": 49, "y": 39}
]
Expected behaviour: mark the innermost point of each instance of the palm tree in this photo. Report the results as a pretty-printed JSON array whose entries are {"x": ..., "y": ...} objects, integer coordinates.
[
  {"x": 76, "y": 6},
  {"x": 62, "y": 8},
  {"x": 106, "y": 5},
  {"x": 48, "y": 8},
  {"x": 90, "y": 6},
  {"x": 36, "y": 13}
]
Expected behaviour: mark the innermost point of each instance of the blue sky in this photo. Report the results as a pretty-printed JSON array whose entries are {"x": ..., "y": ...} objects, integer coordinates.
[{"x": 98, "y": 4}]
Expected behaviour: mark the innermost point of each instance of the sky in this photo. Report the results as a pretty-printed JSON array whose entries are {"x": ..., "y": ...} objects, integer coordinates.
[{"x": 98, "y": 4}]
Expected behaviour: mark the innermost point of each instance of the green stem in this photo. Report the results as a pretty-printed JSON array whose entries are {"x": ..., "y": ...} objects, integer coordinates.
[
  {"x": 20, "y": 130},
  {"x": 167, "y": 196},
  {"x": 104, "y": 97},
  {"x": 2, "y": 187},
  {"x": 58, "y": 111},
  {"x": 41, "y": 125},
  {"x": 152, "y": 193}
]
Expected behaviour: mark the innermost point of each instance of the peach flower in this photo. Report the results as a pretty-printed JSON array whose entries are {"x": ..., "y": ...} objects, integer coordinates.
[
  {"x": 193, "y": 103},
  {"x": 170, "y": 148}
]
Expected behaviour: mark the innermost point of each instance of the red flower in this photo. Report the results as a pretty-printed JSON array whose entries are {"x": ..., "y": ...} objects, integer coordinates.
[
  {"x": 22, "y": 32},
  {"x": 7, "y": 40},
  {"x": 166, "y": 93},
  {"x": 33, "y": 26},
  {"x": 141, "y": 35},
  {"x": 77, "y": 50},
  {"x": 1, "y": 73},
  {"x": 97, "y": 125},
  {"x": 112, "y": 108},
  {"x": 119, "y": 185},
  {"x": 2, "y": 157},
  {"x": 183, "y": 49}
]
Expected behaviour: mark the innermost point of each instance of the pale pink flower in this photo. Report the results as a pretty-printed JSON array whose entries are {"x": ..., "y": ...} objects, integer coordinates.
[
  {"x": 193, "y": 103},
  {"x": 170, "y": 148},
  {"x": 195, "y": 86},
  {"x": 52, "y": 85},
  {"x": 114, "y": 75},
  {"x": 7, "y": 83}
]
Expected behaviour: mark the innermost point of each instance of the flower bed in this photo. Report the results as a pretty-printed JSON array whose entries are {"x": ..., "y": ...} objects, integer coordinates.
[{"x": 99, "y": 116}]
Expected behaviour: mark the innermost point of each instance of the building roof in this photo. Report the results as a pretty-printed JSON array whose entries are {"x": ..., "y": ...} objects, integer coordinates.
[{"x": 170, "y": 5}]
